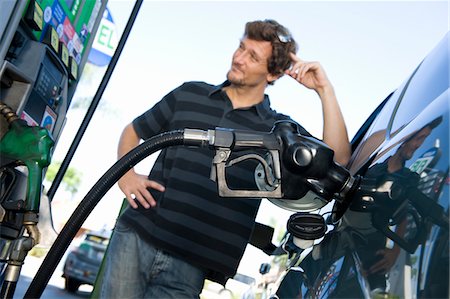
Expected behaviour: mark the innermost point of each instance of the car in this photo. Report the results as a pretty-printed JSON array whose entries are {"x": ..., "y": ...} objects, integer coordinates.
[
  {"x": 83, "y": 262},
  {"x": 392, "y": 240}
]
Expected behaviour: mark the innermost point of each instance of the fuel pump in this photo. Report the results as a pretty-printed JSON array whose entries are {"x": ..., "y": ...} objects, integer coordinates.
[
  {"x": 43, "y": 50},
  {"x": 29, "y": 146}
]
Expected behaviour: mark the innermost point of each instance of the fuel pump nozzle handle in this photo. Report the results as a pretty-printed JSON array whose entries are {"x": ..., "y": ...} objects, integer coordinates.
[
  {"x": 225, "y": 141},
  {"x": 30, "y": 146},
  {"x": 299, "y": 163}
]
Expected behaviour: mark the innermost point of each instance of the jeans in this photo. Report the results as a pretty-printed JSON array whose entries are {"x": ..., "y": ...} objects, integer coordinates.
[{"x": 136, "y": 269}]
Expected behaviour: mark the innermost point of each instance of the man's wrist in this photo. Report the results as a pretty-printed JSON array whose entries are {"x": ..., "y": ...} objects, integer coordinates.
[{"x": 326, "y": 91}]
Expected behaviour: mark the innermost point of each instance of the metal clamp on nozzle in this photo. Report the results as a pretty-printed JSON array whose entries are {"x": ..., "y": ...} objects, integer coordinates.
[{"x": 198, "y": 137}]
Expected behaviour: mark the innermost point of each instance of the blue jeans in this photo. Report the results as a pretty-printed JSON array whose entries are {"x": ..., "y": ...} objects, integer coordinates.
[{"x": 136, "y": 269}]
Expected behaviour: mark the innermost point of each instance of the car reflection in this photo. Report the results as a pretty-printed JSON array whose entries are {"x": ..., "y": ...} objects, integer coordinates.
[{"x": 397, "y": 210}]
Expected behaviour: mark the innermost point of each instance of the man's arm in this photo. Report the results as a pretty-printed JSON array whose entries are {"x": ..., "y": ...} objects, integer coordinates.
[
  {"x": 313, "y": 76},
  {"x": 334, "y": 129},
  {"x": 134, "y": 185}
]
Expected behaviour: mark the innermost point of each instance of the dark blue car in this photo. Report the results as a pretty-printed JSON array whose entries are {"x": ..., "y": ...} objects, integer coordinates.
[{"x": 392, "y": 242}]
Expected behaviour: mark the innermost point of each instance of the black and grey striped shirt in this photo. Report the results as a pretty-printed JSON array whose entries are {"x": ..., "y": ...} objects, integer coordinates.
[{"x": 190, "y": 219}]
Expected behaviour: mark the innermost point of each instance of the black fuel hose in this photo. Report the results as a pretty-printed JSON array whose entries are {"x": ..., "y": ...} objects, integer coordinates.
[{"x": 92, "y": 198}]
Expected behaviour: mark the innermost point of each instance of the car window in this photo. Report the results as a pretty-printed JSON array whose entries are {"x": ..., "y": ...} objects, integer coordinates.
[
  {"x": 430, "y": 81},
  {"x": 375, "y": 135},
  {"x": 367, "y": 124},
  {"x": 382, "y": 121}
]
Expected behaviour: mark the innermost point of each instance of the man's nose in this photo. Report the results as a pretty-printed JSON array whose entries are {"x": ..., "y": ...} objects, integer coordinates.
[{"x": 241, "y": 57}]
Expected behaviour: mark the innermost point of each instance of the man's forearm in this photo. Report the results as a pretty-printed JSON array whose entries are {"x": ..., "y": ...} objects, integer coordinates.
[
  {"x": 334, "y": 129},
  {"x": 128, "y": 140}
]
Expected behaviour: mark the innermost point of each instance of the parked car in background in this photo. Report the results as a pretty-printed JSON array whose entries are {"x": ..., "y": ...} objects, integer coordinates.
[
  {"x": 393, "y": 240},
  {"x": 83, "y": 263}
]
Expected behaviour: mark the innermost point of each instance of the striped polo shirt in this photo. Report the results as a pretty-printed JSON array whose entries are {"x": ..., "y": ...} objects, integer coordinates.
[{"x": 190, "y": 220}]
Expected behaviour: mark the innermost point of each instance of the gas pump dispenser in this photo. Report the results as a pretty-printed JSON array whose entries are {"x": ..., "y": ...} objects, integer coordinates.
[{"x": 44, "y": 46}]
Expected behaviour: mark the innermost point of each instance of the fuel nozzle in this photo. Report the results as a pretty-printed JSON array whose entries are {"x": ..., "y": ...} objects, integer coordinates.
[
  {"x": 29, "y": 146},
  {"x": 308, "y": 164}
]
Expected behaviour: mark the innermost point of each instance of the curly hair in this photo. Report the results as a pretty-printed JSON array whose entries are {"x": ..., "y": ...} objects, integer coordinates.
[{"x": 281, "y": 39}]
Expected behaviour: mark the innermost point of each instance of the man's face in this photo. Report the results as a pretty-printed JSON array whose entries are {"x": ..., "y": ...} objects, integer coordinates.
[
  {"x": 249, "y": 63},
  {"x": 409, "y": 147}
]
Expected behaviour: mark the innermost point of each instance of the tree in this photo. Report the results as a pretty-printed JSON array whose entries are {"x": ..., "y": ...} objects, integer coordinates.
[{"x": 71, "y": 180}]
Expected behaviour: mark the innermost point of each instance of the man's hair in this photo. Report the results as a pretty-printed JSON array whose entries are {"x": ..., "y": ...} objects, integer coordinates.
[{"x": 281, "y": 39}]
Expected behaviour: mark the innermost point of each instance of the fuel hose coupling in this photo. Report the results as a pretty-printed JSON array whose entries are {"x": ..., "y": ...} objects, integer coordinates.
[
  {"x": 199, "y": 137},
  {"x": 8, "y": 113}
]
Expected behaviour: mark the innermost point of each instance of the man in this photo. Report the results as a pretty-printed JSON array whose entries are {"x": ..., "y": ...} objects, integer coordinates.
[{"x": 177, "y": 230}]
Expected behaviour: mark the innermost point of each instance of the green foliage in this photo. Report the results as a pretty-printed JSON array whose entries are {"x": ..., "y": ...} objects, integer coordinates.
[
  {"x": 71, "y": 180},
  {"x": 38, "y": 251}
]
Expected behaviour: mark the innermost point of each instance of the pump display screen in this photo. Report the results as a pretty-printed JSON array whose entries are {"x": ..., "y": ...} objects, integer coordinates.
[{"x": 44, "y": 98}]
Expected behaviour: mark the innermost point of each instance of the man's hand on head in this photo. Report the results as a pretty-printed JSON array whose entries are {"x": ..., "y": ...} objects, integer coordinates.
[{"x": 308, "y": 73}]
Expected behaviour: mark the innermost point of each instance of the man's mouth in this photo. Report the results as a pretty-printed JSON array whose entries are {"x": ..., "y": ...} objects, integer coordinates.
[{"x": 236, "y": 68}]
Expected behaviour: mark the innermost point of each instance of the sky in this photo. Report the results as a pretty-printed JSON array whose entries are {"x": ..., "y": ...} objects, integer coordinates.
[{"x": 367, "y": 48}]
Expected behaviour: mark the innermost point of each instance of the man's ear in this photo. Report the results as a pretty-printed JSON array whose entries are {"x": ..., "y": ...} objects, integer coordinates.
[{"x": 272, "y": 78}]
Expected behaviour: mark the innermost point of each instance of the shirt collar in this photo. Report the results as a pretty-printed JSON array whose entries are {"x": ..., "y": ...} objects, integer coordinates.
[
  {"x": 262, "y": 108},
  {"x": 219, "y": 87}
]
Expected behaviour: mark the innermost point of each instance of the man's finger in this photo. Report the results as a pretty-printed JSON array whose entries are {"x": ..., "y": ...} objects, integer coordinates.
[
  {"x": 294, "y": 57},
  {"x": 156, "y": 186},
  {"x": 145, "y": 202},
  {"x": 131, "y": 201}
]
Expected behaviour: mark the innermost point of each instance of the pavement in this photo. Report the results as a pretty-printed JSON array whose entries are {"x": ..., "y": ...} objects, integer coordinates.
[{"x": 55, "y": 287}]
